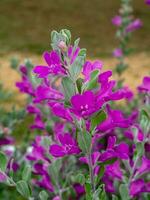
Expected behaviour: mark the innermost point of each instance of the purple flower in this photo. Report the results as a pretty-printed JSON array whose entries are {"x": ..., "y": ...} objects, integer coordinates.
[
  {"x": 47, "y": 93},
  {"x": 147, "y": 2},
  {"x": 38, "y": 123},
  {"x": 117, "y": 20},
  {"x": 130, "y": 134},
  {"x": 79, "y": 190},
  {"x": 106, "y": 92},
  {"x": 109, "y": 187},
  {"x": 38, "y": 151},
  {"x": 89, "y": 67},
  {"x": 23, "y": 70},
  {"x": 145, "y": 86},
  {"x": 73, "y": 55},
  {"x": 118, "y": 53},
  {"x": 145, "y": 166},
  {"x": 114, "y": 119},
  {"x": 33, "y": 110},
  {"x": 25, "y": 86},
  {"x": 136, "y": 24},
  {"x": 59, "y": 110},
  {"x": 114, "y": 171},
  {"x": 54, "y": 65},
  {"x": 45, "y": 182},
  {"x": 56, "y": 198},
  {"x": 128, "y": 94},
  {"x": 68, "y": 146},
  {"x": 114, "y": 151},
  {"x": 83, "y": 105},
  {"x": 139, "y": 186},
  {"x": 6, "y": 140}
]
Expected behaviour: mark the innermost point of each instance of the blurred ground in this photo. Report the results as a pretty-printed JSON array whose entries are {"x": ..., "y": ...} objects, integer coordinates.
[
  {"x": 25, "y": 26},
  {"x": 139, "y": 66}
]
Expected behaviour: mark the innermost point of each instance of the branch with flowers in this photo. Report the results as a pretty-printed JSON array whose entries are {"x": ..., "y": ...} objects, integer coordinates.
[
  {"x": 126, "y": 24},
  {"x": 85, "y": 147}
]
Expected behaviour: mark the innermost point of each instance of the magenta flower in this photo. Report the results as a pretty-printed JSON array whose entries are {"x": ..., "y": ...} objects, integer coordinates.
[
  {"x": 25, "y": 86},
  {"x": 59, "y": 110},
  {"x": 47, "y": 93},
  {"x": 23, "y": 69},
  {"x": 54, "y": 65},
  {"x": 147, "y": 2},
  {"x": 73, "y": 55},
  {"x": 89, "y": 67},
  {"x": 38, "y": 151},
  {"x": 67, "y": 146},
  {"x": 114, "y": 151},
  {"x": 145, "y": 166},
  {"x": 136, "y": 24},
  {"x": 83, "y": 105},
  {"x": 117, "y": 20},
  {"x": 114, "y": 119},
  {"x": 109, "y": 187},
  {"x": 139, "y": 137},
  {"x": 114, "y": 171},
  {"x": 118, "y": 53},
  {"x": 145, "y": 86},
  {"x": 33, "y": 110},
  {"x": 107, "y": 92},
  {"x": 137, "y": 187},
  {"x": 38, "y": 123},
  {"x": 56, "y": 198},
  {"x": 45, "y": 182},
  {"x": 79, "y": 189},
  {"x": 6, "y": 140}
]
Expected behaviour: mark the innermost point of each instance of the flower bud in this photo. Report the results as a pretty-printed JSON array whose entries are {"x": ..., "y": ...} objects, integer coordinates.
[{"x": 62, "y": 45}]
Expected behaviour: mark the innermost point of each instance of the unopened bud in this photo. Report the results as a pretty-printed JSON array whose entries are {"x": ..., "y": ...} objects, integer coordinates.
[{"x": 62, "y": 45}]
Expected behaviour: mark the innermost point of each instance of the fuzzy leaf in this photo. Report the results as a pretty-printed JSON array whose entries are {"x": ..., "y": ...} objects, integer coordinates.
[
  {"x": 43, "y": 195},
  {"x": 3, "y": 162},
  {"x": 26, "y": 174},
  {"x": 93, "y": 81},
  {"x": 68, "y": 87},
  {"x": 123, "y": 189},
  {"x": 84, "y": 141},
  {"x": 23, "y": 188},
  {"x": 97, "y": 119}
]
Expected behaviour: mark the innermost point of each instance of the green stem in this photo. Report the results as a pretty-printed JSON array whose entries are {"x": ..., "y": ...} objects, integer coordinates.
[{"x": 91, "y": 171}]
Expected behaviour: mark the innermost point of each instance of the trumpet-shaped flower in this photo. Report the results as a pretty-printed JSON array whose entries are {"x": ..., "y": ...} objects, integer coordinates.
[
  {"x": 114, "y": 119},
  {"x": 67, "y": 146},
  {"x": 47, "y": 93},
  {"x": 54, "y": 65},
  {"x": 145, "y": 86},
  {"x": 83, "y": 105},
  {"x": 89, "y": 67}
]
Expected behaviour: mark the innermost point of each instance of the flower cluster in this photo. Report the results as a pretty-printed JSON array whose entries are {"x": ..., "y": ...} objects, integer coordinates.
[
  {"x": 88, "y": 146},
  {"x": 125, "y": 24}
]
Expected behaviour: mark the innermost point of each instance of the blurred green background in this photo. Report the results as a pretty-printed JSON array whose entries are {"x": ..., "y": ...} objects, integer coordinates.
[{"x": 25, "y": 25}]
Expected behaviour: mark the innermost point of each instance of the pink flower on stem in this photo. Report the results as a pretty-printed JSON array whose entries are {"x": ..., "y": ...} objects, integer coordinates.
[
  {"x": 118, "y": 53},
  {"x": 89, "y": 67},
  {"x": 84, "y": 105},
  {"x": 54, "y": 65},
  {"x": 117, "y": 20},
  {"x": 145, "y": 86},
  {"x": 136, "y": 24},
  {"x": 67, "y": 146},
  {"x": 47, "y": 93}
]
